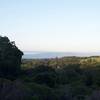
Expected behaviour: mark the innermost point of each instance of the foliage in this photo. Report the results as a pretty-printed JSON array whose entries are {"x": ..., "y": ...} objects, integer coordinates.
[
  {"x": 67, "y": 78},
  {"x": 10, "y": 58}
]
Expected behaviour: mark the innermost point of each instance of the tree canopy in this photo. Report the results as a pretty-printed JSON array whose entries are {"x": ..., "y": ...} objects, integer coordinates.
[{"x": 10, "y": 57}]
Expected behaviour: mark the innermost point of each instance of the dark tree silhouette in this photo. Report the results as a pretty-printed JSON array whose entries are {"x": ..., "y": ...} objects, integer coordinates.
[{"x": 10, "y": 58}]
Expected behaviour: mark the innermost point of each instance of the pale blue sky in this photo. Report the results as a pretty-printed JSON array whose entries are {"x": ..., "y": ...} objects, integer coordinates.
[{"x": 52, "y": 25}]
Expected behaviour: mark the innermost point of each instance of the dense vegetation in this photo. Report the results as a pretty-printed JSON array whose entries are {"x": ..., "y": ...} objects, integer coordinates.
[
  {"x": 10, "y": 58},
  {"x": 67, "y": 78}
]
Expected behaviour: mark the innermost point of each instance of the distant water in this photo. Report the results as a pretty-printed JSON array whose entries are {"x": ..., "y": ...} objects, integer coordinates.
[{"x": 41, "y": 55}]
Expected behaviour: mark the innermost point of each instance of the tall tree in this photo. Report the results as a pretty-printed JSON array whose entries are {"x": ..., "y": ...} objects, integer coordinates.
[{"x": 10, "y": 58}]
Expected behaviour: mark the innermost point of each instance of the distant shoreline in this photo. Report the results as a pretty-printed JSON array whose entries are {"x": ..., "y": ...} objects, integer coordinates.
[{"x": 47, "y": 55}]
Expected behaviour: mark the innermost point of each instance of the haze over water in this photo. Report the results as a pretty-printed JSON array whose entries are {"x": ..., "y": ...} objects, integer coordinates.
[{"x": 39, "y": 55}]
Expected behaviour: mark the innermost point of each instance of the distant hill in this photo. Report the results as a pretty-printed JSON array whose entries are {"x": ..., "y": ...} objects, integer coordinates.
[{"x": 41, "y": 55}]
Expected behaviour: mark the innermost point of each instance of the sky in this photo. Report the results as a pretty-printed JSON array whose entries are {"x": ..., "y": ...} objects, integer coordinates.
[{"x": 52, "y": 25}]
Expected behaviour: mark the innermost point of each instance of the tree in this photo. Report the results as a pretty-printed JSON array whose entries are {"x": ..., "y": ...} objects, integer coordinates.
[
  {"x": 45, "y": 75},
  {"x": 10, "y": 58}
]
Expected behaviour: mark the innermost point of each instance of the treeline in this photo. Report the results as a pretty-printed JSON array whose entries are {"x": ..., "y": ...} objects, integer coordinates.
[{"x": 84, "y": 62}]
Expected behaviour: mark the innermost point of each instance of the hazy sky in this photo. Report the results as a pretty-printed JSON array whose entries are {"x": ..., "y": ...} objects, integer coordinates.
[{"x": 52, "y": 25}]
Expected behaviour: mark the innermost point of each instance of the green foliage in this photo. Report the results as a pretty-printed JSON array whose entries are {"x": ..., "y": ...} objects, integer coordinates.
[
  {"x": 43, "y": 92},
  {"x": 10, "y": 58},
  {"x": 69, "y": 78}
]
